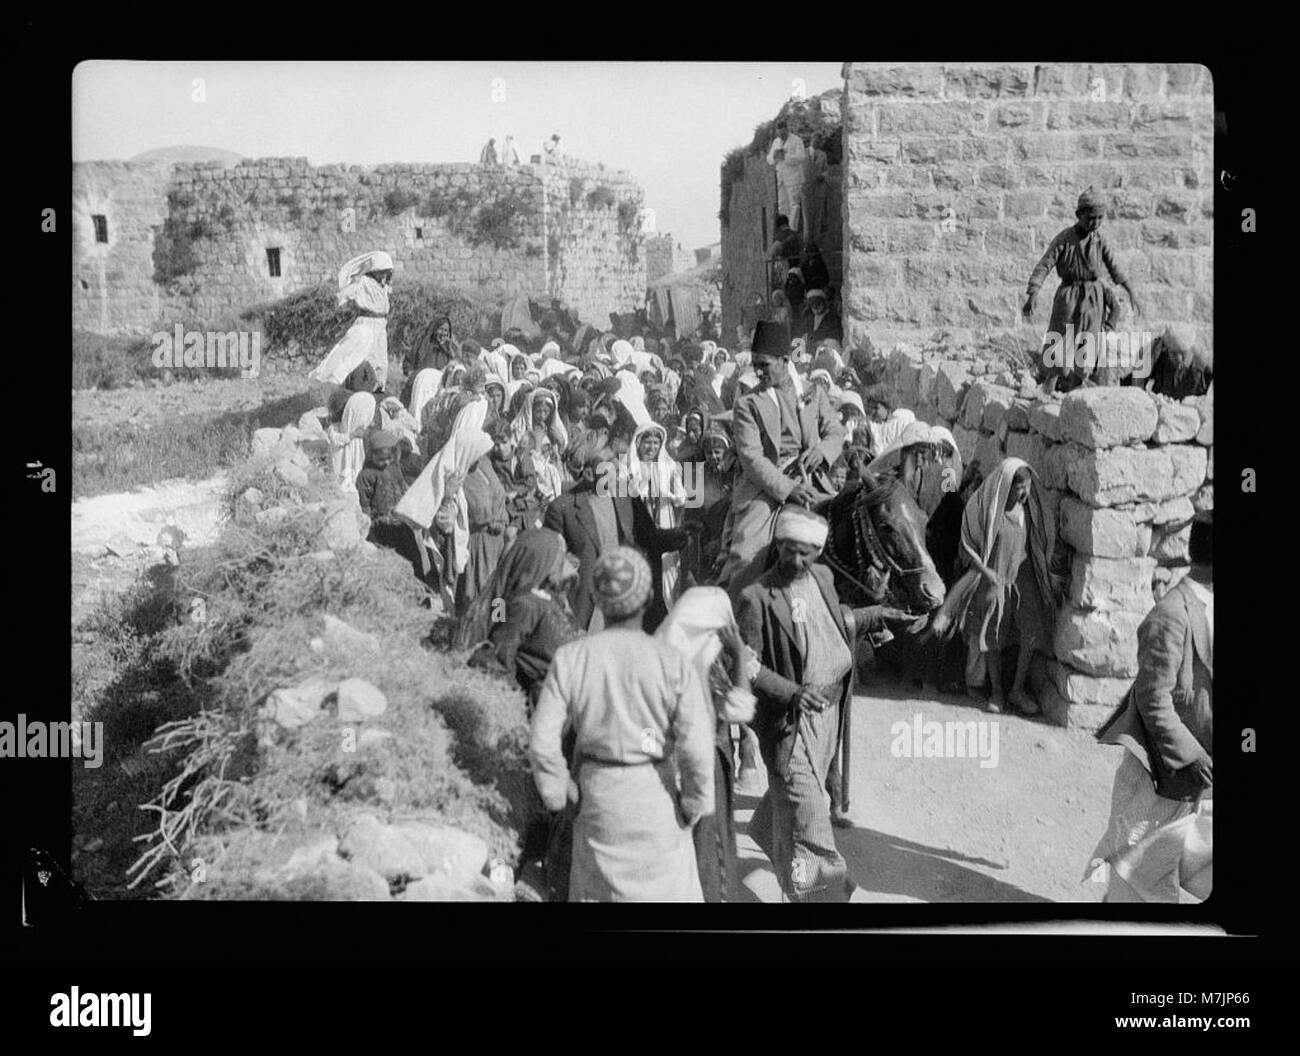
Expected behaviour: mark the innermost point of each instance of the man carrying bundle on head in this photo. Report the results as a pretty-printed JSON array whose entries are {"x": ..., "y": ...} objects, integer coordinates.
[{"x": 785, "y": 449}]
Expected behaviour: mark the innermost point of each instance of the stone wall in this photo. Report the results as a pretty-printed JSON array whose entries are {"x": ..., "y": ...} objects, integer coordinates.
[
  {"x": 1123, "y": 474},
  {"x": 746, "y": 238},
  {"x": 959, "y": 176},
  {"x": 665, "y": 256},
  {"x": 191, "y": 241}
]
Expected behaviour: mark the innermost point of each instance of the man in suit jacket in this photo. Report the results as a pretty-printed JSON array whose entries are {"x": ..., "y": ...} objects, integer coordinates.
[
  {"x": 594, "y": 518},
  {"x": 820, "y": 323},
  {"x": 785, "y": 447},
  {"x": 792, "y": 618},
  {"x": 1161, "y": 831}
]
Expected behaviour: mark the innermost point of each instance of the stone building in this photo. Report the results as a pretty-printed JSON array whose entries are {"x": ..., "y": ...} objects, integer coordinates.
[
  {"x": 197, "y": 242},
  {"x": 953, "y": 181}
]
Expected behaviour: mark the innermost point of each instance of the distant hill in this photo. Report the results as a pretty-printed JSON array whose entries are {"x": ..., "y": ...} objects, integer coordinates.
[{"x": 168, "y": 155}]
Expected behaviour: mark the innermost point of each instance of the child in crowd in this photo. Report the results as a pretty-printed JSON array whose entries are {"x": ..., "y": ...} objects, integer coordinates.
[{"x": 379, "y": 486}]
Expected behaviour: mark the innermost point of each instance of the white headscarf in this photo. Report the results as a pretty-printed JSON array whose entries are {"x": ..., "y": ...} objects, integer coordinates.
[
  {"x": 349, "y": 455},
  {"x": 418, "y": 507},
  {"x": 496, "y": 364},
  {"x": 692, "y": 627},
  {"x": 397, "y": 419},
  {"x": 423, "y": 389},
  {"x": 354, "y": 269},
  {"x": 885, "y": 433},
  {"x": 913, "y": 433},
  {"x": 659, "y": 479}
]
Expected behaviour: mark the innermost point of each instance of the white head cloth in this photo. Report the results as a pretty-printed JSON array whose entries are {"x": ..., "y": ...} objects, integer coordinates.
[{"x": 797, "y": 524}]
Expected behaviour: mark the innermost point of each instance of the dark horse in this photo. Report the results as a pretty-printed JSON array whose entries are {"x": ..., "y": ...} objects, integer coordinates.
[
  {"x": 876, "y": 551},
  {"x": 876, "y": 547}
]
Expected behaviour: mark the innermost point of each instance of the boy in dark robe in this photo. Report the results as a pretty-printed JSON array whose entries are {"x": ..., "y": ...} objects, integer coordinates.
[
  {"x": 379, "y": 485},
  {"x": 1079, "y": 253}
]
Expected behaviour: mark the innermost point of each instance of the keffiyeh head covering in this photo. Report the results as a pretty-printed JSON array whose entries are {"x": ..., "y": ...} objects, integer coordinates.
[{"x": 622, "y": 582}]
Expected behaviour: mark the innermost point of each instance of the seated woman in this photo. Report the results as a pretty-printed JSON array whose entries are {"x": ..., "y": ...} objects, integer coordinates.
[
  {"x": 1008, "y": 543},
  {"x": 702, "y": 626}
]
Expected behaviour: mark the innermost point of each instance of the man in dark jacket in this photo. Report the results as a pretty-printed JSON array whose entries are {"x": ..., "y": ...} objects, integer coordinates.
[
  {"x": 792, "y": 618},
  {"x": 594, "y": 518},
  {"x": 1160, "y": 839}
]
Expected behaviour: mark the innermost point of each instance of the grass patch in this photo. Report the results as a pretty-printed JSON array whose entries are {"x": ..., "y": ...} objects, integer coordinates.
[{"x": 121, "y": 457}]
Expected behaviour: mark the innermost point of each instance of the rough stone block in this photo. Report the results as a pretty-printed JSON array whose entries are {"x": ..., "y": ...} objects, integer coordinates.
[
  {"x": 1111, "y": 583},
  {"x": 1017, "y": 416},
  {"x": 1045, "y": 418},
  {"x": 1055, "y": 464},
  {"x": 988, "y": 452},
  {"x": 1136, "y": 474},
  {"x": 1203, "y": 500},
  {"x": 1080, "y": 689},
  {"x": 360, "y": 700},
  {"x": 1108, "y": 416},
  {"x": 1102, "y": 532},
  {"x": 1029, "y": 446},
  {"x": 1177, "y": 423},
  {"x": 1098, "y": 642},
  {"x": 966, "y": 440},
  {"x": 1205, "y": 434},
  {"x": 950, "y": 384},
  {"x": 1169, "y": 545}
]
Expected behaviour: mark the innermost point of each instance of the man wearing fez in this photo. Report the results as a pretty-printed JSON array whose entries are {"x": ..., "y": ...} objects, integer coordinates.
[
  {"x": 792, "y": 618},
  {"x": 1161, "y": 835},
  {"x": 785, "y": 446}
]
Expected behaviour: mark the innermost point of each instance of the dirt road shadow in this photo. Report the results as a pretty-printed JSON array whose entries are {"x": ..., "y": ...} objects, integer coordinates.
[{"x": 889, "y": 865}]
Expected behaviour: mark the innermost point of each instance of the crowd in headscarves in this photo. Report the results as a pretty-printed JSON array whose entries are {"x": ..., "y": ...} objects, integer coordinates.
[{"x": 558, "y": 482}]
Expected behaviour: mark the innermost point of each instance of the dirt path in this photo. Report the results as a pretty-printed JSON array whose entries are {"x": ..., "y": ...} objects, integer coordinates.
[
  {"x": 949, "y": 830},
  {"x": 114, "y": 537}
]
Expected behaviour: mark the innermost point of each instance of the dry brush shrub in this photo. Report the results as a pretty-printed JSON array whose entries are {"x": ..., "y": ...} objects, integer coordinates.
[{"x": 457, "y": 745}]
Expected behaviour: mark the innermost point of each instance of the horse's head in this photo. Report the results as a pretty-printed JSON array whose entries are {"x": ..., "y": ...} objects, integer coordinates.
[{"x": 878, "y": 531}]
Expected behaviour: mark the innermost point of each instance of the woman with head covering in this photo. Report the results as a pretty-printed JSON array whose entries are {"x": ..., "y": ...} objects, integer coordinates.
[
  {"x": 642, "y": 769},
  {"x": 1081, "y": 304},
  {"x": 539, "y": 421},
  {"x": 690, "y": 447},
  {"x": 495, "y": 391},
  {"x": 424, "y": 388},
  {"x": 886, "y": 426},
  {"x": 437, "y": 507},
  {"x": 347, "y": 440},
  {"x": 364, "y": 283},
  {"x": 702, "y": 626},
  {"x": 1008, "y": 543},
  {"x": 906, "y": 457},
  {"x": 655, "y": 478},
  {"x": 435, "y": 347}
]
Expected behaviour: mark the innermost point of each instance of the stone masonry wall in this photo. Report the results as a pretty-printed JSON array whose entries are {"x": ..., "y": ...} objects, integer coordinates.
[
  {"x": 957, "y": 177},
  {"x": 585, "y": 252},
  {"x": 1123, "y": 474}
]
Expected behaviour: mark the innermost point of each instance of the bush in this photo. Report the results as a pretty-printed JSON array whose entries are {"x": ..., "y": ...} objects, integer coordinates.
[
  {"x": 399, "y": 200},
  {"x": 628, "y": 214},
  {"x": 495, "y": 222},
  {"x": 575, "y": 190},
  {"x": 601, "y": 198}
]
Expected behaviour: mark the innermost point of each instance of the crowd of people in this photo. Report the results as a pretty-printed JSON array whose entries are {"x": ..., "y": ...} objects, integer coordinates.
[{"x": 627, "y": 527}]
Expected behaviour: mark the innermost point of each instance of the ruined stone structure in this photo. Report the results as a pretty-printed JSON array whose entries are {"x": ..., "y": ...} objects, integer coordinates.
[
  {"x": 1123, "y": 475},
  {"x": 198, "y": 242},
  {"x": 665, "y": 256}
]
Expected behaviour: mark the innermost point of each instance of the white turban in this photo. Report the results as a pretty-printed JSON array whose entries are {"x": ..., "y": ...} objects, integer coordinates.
[{"x": 801, "y": 526}]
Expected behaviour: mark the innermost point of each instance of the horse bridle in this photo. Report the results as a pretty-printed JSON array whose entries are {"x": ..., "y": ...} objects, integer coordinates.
[{"x": 870, "y": 551}]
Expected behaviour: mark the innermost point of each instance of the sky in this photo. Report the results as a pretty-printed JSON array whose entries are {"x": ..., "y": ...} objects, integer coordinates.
[{"x": 667, "y": 124}]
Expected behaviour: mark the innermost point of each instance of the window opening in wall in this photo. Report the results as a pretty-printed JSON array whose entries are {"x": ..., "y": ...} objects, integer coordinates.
[
  {"x": 273, "y": 262},
  {"x": 85, "y": 285},
  {"x": 101, "y": 227},
  {"x": 419, "y": 233}
]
